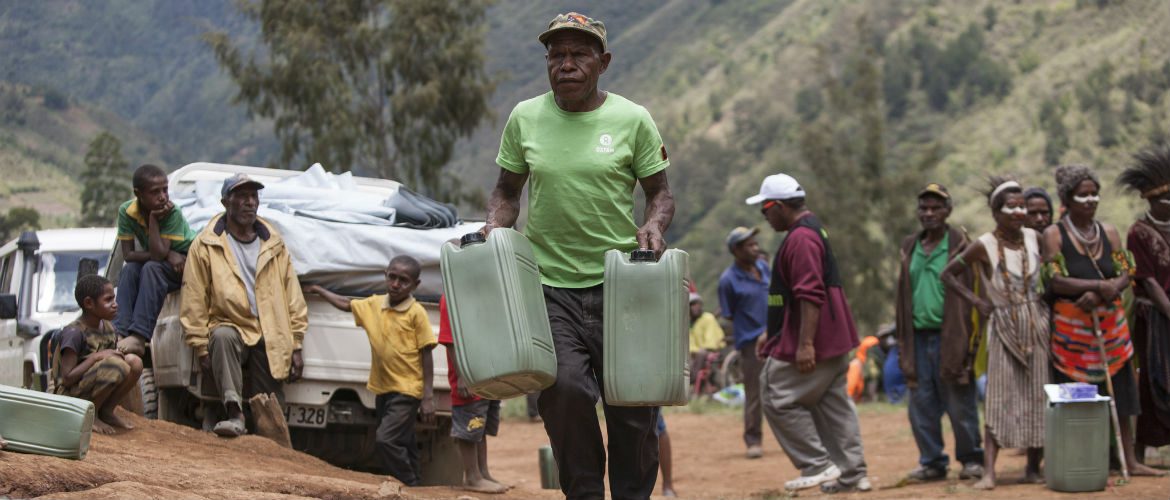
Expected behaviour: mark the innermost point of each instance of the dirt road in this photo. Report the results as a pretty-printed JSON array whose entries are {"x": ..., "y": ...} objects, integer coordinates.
[{"x": 164, "y": 461}]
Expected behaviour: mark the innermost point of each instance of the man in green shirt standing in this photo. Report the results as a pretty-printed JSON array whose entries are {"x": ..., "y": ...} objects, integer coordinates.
[
  {"x": 584, "y": 150},
  {"x": 154, "y": 267},
  {"x": 934, "y": 326}
]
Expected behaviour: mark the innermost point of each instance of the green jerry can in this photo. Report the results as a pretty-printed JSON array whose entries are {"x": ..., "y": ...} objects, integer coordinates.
[
  {"x": 646, "y": 328},
  {"x": 1076, "y": 442},
  {"x": 550, "y": 477},
  {"x": 45, "y": 424},
  {"x": 495, "y": 303}
]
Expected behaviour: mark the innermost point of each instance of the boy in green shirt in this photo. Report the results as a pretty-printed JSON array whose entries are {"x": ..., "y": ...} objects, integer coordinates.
[{"x": 155, "y": 267}]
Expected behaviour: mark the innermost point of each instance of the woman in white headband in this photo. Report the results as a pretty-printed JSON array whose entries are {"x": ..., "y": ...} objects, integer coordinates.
[{"x": 1008, "y": 260}]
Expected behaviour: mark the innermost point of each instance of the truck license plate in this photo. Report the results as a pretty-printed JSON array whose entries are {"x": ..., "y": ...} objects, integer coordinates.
[{"x": 306, "y": 416}]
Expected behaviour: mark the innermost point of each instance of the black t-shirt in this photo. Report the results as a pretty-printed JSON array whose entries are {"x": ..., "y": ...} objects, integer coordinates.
[{"x": 85, "y": 340}]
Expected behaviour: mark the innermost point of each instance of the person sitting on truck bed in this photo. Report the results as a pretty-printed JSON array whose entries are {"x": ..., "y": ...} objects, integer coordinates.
[
  {"x": 401, "y": 367},
  {"x": 88, "y": 363},
  {"x": 149, "y": 274},
  {"x": 242, "y": 309}
]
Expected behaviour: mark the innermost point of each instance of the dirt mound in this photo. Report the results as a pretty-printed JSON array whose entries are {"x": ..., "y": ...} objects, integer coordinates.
[{"x": 163, "y": 460}]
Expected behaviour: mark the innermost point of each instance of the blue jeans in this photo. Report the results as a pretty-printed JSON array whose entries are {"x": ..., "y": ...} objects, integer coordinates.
[
  {"x": 893, "y": 382},
  {"x": 142, "y": 288},
  {"x": 931, "y": 399}
]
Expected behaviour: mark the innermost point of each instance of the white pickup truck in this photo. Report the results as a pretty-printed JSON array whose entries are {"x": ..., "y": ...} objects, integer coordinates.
[
  {"x": 330, "y": 412},
  {"x": 38, "y": 271}
]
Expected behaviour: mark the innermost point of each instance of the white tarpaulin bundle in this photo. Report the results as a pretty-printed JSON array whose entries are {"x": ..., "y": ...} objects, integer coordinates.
[{"x": 339, "y": 236}]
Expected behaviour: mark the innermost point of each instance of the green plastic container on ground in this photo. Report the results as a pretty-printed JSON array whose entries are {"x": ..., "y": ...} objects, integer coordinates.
[
  {"x": 495, "y": 302},
  {"x": 1076, "y": 443},
  {"x": 45, "y": 424},
  {"x": 550, "y": 478},
  {"x": 646, "y": 328}
]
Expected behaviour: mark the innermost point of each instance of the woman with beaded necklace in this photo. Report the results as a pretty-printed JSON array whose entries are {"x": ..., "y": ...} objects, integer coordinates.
[
  {"x": 1087, "y": 270},
  {"x": 1017, "y": 328},
  {"x": 1149, "y": 241}
]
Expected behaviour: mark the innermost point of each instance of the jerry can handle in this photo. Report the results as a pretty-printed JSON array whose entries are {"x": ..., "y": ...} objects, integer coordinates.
[
  {"x": 642, "y": 256},
  {"x": 472, "y": 239}
]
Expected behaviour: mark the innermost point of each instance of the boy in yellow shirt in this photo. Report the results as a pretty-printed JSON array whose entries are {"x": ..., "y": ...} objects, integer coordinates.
[{"x": 401, "y": 367}]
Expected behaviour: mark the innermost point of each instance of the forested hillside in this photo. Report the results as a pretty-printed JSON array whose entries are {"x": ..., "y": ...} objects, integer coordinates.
[{"x": 862, "y": 100}]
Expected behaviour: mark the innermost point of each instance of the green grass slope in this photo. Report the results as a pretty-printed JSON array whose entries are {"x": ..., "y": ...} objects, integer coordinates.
[
  {"x": 722, "y": 80},
  {"x": 42, "y": 151}
]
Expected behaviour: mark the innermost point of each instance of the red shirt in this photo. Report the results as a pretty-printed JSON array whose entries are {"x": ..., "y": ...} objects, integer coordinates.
[
  {"x": 800, "y": 265},
  {"x": 448, "y": 341}
]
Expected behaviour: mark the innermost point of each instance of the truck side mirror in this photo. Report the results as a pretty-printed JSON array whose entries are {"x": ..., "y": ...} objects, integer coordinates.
[{"x": 7, "y": 306}]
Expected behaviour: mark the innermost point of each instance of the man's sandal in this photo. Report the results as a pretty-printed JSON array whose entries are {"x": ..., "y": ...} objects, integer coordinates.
[{"x": 230, "y": 428}]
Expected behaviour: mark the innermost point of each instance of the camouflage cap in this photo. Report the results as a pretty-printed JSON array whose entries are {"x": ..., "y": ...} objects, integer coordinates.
[{"x": 575, "y": 21}]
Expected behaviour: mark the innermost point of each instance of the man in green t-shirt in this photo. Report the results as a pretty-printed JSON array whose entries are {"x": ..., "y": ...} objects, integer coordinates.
[
  {"x": 934, "y": 326},
  {"x": 154, "y": 237},
  {"x": 584, "y": 151}
]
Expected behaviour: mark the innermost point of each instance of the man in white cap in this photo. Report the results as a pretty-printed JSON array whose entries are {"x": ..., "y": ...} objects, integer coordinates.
[
  {"x": 809, "y": 335},
  {"x": 743, "y": 300},
  {"x": 585, "y": 150},
  {"x": 242, "y": 308}
]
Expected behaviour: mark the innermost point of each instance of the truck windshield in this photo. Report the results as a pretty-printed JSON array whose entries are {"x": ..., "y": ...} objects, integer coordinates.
[{"x": 58, "y": 276}]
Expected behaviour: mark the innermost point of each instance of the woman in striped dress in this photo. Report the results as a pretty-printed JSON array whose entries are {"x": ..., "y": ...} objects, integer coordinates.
[{"x": 1017, "y": 328}]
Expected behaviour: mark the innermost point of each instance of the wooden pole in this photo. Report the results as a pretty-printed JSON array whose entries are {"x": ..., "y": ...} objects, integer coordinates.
[{"x": 1112, "y": 399}]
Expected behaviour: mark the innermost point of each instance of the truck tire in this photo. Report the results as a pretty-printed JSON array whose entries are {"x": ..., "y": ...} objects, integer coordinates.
[
  {"x": 176, "y": 405},
  {"x": 149, "y": 394}
]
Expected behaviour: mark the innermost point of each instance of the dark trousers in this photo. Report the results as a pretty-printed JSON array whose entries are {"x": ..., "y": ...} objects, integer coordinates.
[
  {"x": 394, "y": 438},
  {"x": 533, "y": 404},
  {"x": 935, "y": 396},
  {"x": 241, "y": 371},
  {"x": 142, "y": 287},
  {"x": 570, "y": 416},
  {"x": 751, "y": 364}
]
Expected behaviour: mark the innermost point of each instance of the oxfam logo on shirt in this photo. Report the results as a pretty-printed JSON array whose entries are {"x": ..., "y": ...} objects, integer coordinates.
[{"x": 606, "y": 146}]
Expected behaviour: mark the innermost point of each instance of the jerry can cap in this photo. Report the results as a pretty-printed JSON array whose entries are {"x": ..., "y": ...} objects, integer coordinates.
[
  {"x": 472, "y": 239},
  {"x": 642, "y": 256}
]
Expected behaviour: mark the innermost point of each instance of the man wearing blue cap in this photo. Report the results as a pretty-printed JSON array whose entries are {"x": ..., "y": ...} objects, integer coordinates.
[
  {"x": 242, "y": 309},
  {"x": 743, "y": 299},
  {"x": 585, "y": 150}
]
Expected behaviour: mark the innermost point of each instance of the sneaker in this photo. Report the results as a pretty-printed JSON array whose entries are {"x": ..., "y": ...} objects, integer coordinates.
[
  {"x": 864, "y": 485},
  {"x": 924, "y": 474},
  {"x": 971, "y": 471},
  {"x": 754, "y": 451},
  {"x": 805, "y": 482},
  {"x": 835, "y": 486}
]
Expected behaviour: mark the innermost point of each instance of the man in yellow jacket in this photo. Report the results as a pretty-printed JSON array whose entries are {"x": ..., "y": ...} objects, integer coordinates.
[{"x": 242, "y": 308}]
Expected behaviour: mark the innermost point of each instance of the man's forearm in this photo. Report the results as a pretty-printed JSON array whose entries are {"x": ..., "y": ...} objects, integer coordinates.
[
  {"x": 660, "y": 210},
  {"x": 504, "y": 205},
  {"x": 810, "y": 319},
  {"x": 503, "y": 210}
]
